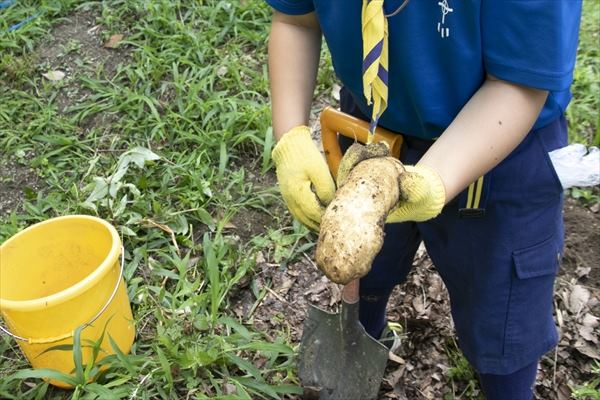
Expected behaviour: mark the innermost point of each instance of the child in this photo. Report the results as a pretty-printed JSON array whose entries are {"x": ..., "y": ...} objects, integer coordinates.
[{"x": 478, "y": 88}]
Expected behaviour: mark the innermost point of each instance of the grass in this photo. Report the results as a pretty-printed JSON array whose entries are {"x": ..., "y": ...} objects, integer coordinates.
[
  {"x": 582, "y": 113},
  {"x": 183, "y": 114},
  {"x": 167, "y": 145},
  {"x": 590, "y": 389},
  {"x": 461, "y": 377}
]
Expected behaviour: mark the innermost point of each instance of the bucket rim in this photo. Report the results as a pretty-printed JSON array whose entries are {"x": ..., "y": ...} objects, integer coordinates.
[{"x": 76, "y": 289}]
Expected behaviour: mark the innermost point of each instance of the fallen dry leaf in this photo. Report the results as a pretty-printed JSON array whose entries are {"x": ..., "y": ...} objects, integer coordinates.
[
  {"x": 318, "y": 287},
  {"x": 395, "y": 358},
  {"x": 583, "y": 271},
  {"x": 113, "y": 41},
  {"x": 54, "y": 75},
  {"x": 418, "y": 305},
  {"x": 335, "y": 91},
  {"x": 336, "y": 295},
  {"x": 590, "y": 320},
  {"x": 286, "y": 284},
  {"x": 393, "y": 377},
  {"x": 587, "y": 350},
  {"x": 436, "y": 288},
  {"x": 260, "y": 258},
  {"x": 563, "y": 393},
  {"x": 564, "y": 354},
  {"x": 578, "y": 299},
  {"x": 230, "y": 225},
  {"x": 93, "y": 30},
  {"x": 587, "y": 332}
]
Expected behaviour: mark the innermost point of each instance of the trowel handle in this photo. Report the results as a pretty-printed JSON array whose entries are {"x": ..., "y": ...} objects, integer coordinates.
[
  {"x": 334, "y": 122},
  {"x": 350, "y": 292}
]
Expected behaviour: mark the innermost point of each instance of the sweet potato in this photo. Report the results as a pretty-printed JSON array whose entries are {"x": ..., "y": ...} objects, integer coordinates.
[{"x": 351, "y": 232}]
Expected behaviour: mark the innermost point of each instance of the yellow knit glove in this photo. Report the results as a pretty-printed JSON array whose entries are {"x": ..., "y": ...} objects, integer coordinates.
[
  {"x": 304, "y": 179},
  {"x": 422, "y": 195},
  {"x": 422, "y": 192}
]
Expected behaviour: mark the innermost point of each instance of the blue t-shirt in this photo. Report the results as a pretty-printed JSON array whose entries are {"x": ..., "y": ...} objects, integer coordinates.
[{"x": 441, "y": 50}]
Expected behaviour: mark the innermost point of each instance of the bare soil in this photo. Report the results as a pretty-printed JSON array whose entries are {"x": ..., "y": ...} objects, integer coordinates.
[
  {"x": 17, "y": 181},
  {"x": 76, "y": 48}
]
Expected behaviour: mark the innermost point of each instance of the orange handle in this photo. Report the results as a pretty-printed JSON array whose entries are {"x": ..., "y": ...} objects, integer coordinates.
[
  {"x": 334, "y": 122},
  {"x": 350, "y": 292}
]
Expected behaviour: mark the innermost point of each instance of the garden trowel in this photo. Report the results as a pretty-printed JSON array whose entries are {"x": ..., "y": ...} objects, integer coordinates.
[{"x": 338, "y": 358}]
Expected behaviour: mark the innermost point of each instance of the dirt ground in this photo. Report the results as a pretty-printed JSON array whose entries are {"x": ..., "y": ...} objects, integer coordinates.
[
  {"x": 76, "y": 48},
  {"x": 421, "y": 305}
]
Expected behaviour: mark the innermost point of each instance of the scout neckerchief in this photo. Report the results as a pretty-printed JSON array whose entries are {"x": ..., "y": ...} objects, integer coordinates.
[{"x": 375, "y": 58}]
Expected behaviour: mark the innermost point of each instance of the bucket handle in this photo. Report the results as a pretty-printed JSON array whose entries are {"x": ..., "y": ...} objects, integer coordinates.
[{"x": 91, "y": 321}]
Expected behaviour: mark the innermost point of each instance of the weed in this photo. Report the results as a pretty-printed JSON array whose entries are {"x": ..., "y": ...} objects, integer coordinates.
[
  {"x": 194, "y": 91},
  {"x": 462, "y": 377},
  {"x": 587, "y": 196},
  {"x": 582, "y": 113},
  {"x": 589, "y": 390}
]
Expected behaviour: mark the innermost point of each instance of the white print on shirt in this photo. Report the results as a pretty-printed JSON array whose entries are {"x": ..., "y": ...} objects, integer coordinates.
[{"x": 445, "y": 9}]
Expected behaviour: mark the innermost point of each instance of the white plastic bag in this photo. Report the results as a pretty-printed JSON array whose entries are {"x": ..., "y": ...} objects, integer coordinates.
[{"x": 576, "y": 165}]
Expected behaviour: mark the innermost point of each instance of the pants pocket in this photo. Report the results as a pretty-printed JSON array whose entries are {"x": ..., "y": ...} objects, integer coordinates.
[
  {"x": 530, "y": 324},
  {"x": 553, "y": 179},
  {"x": 528, "y": 173},
  {"x": 548, "y": 138}
]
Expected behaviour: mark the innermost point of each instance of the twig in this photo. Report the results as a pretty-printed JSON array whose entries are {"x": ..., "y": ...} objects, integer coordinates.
[
  {"x": 395, "y": 358},
  {"x": 424, "y": 297},
  {"x": 143, "y": 318},
  {"x": 274, "y": 293},
  {"x": 566, "y": 282},
  {"x": 255, "y": 306},
  {"x": 310, "y": 260},
  {"x": 554, "y": 367},
  {"x": 134, "y": 393},
  {"x": 166, "y": 229}
]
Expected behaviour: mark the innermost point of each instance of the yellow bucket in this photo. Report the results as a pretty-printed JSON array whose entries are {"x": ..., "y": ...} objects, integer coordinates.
[{"x": 56, "y": 276}]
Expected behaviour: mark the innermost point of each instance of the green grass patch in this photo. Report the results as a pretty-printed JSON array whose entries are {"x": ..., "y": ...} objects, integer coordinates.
[
  {"x": 590, "y": 389},
  {"x": 461, "y": 378},
  {"x": 582, "y": 113},
  {"x": 162, "y": 147}
]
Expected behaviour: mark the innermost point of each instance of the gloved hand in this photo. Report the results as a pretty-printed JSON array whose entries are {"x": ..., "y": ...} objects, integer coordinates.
[
  {"x": 422, "y": 195},
  {"x": 301, "y": 169},
  {"x": 422, "y": 192}
]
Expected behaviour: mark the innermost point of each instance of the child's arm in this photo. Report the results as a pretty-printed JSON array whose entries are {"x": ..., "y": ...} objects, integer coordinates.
[
  {"x": 294, "y": 49},
  {"x": 488, "y": 128},
  {"x": 304, "y": 179}
]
